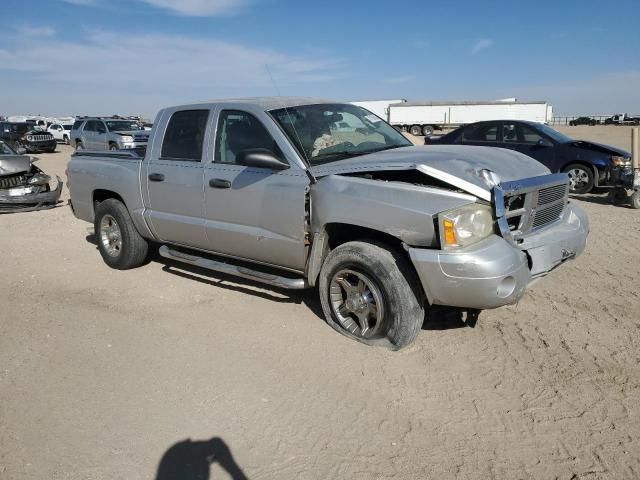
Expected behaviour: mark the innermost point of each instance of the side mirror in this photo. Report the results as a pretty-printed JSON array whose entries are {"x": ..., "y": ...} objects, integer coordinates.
[
  {"x": 21, "y": 150},
  {"x": 260, "y": 158}
]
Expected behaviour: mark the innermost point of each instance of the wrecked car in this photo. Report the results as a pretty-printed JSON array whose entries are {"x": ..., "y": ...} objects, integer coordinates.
[
  {"x": 23, "y": 186},
  {"x": 300, "y": 193},
  {"x": 28, "y": 136}
]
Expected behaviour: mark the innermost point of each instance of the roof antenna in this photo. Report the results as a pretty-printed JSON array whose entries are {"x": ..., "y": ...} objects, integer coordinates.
[{"x": 293, "y": 125}]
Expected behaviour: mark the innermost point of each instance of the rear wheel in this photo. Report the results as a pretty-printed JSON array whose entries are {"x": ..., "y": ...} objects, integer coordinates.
[
  {"x": 119, "y": 243},
  {"x": 427, "y": 130},
  {"x": 371, "y": 294},
  {"x": 79, "y": 146},
  {"x": 580, "y": 178},
  {"x": 415, "y": 130}
]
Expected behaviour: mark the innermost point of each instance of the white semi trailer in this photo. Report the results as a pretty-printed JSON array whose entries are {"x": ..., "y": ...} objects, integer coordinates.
[
  {"x": 422, "y": 118},
  {"x": 379, "y": 107}
]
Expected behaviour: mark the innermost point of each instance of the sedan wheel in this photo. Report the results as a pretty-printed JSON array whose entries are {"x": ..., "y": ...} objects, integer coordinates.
[{"x": 580, "y": 178}]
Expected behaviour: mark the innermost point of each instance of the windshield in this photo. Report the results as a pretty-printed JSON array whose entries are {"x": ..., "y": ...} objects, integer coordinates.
[
  {"x": 67, "y": 127},
  {"x": 556, "y": 135},
  {"x": 121, "y": 126},
  {"x": 6, "y": 149},
  {"x": 21, "y": 127},
  {"x": 330, "y": 132}
]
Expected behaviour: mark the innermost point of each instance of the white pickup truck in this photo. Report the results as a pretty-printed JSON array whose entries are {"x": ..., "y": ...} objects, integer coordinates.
[{"x": 301, "y": 193}]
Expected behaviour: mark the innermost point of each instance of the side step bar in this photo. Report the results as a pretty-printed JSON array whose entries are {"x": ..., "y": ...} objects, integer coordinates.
[{"x": 244, "y": 272}]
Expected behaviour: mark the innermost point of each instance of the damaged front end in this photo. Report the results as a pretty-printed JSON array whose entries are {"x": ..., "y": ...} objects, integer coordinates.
[{"x": 24, "y": 187}]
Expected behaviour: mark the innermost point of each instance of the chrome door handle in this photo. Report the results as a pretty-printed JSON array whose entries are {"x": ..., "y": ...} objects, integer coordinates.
[{"x": 219, "y": 183}]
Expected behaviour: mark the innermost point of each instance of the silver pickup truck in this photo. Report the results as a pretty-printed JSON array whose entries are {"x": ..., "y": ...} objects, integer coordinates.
[{"x": 299, "y": 193}]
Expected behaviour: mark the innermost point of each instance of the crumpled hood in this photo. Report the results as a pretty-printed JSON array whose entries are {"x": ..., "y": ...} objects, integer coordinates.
[
  {"x": 456, "y": 165},
  {"x": 12, "y": 164},
  {"x": 599, "y": 147}
]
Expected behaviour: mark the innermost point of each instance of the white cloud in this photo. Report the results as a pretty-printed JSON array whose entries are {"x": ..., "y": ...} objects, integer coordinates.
[
  {"x": 481, "y": 45},
  {"x": 108, "y": 67},
  {"x": 200, "y": 8},
  {"x": 41, "y": 31}
]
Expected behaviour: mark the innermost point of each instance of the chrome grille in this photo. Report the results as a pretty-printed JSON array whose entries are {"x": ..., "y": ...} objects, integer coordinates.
[
  {"x": 40, "y": 138},
  {"x": 12, "y": 181},
  {"x": 141, "y": 138},
  {"x": 530, "y": 204}
]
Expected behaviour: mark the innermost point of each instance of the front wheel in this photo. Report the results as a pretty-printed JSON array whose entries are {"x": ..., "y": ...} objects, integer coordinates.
[
  {"x": 65, "y": 140},
  {"x": 79, "y": 146},
  {"x": 635, "y": 200},
  {"x": 427, "y": 130},
  {"x": 370, "y": 293},
  {"x": 580, "y": 178},
  {"x": 113, "y": 147},
  {"x": 119, "y": 243}
]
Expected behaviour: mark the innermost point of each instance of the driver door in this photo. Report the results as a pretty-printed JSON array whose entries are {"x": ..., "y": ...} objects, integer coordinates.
[{"x": 253, "y": 213}]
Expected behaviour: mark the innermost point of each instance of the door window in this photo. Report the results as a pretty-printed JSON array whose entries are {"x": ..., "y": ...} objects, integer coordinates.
[
  {"x": 90, "y": 126},
  {"x": 239, "y": 131},
  {"x": 509, "y": 133},
  {"x": 101, "y": 127},
  {"x": 529, "y": 135},
  {"x": 481, "y": 133},
  {"x": 184, "y": 136}
]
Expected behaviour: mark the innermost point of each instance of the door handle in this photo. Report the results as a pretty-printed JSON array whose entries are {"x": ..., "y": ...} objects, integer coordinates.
[
  {"x": 156, "y": 177},
  {"x": 219, "y": 183}
]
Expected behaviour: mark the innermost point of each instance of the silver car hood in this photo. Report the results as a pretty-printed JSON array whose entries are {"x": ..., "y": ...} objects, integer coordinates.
[
  {"x": 453, "y": 164},
  {"x": 12, "y": 164}
]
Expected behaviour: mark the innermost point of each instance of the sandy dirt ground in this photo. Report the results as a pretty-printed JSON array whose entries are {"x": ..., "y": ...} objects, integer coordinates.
[{"x": 104, "y": 372}]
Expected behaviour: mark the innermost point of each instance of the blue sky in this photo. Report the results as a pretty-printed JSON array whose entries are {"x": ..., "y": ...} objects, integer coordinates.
[{"x": 136, "y": 56}]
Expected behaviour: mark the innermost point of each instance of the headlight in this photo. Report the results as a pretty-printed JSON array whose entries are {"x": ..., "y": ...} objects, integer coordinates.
[
  {"x": 620, "y": 161},
  {"x": 39, "y": 179},
  {"x": 29, "y": 138},
  {"x": 465, "y": 226},
  {"x": 126, "y": 138}
]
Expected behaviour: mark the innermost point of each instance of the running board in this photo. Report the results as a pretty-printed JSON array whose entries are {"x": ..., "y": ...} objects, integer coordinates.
[{"x": 244, "y": 272}]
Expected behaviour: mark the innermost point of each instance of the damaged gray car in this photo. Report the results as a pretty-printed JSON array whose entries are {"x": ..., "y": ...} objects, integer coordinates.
[{"x": 23, "y": 186}]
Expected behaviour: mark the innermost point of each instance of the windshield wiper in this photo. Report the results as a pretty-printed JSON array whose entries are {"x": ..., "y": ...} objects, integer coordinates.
[{"x": 355, "y": 153}]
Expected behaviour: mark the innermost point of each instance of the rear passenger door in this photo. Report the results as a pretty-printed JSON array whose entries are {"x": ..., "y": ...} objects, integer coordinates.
[
  {"x": 173, "y": 175},
  {"x": 88, "y": 135},
  {"x": 253, "y": 213},
  {"x": 481, "y": 134}
]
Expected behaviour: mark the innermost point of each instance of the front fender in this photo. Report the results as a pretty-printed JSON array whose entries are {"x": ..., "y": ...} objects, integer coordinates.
[{"x": 405, "y": 211}]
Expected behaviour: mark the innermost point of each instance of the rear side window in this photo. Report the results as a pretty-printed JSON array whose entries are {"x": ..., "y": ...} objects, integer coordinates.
[
  {"x": 481, "y": 133},
  {"x": 184, "y": 136},
  {"x": 90, "y": 126},
  {"x": 76, "y": 124}
]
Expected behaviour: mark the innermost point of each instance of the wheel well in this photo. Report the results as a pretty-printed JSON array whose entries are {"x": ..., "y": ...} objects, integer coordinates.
[
  {"x": 340, "y": 233},
  {"x": 591, "y": 166},
  {"x": 100, "y": 196}
]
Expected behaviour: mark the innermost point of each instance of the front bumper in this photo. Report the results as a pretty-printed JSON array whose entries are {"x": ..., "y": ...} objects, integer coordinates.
[
  {"x": 30, "y": 201},
  {"x": 37, "y": 147},
  {"x": 131, "y": 145},
  {"x": 494, "y": 272}
]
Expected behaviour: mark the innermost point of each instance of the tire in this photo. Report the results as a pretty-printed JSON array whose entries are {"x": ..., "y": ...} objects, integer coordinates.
[
  {"x": 581, "y": 178},
  {"x": 427, "y": 130},
  {"x": 65, "y": 139},
  {"x": 635, "y": 200},
  {"x": 79, "y": 146},
  {"x": 415, "y": 130},
  {"x": 119, "y": 243},
  {"x": 390, "y": 284},
  {"x": 112, "y": 147}
]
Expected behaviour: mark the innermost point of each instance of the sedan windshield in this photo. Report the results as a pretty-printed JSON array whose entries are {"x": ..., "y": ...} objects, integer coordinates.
[
  {"x": 554, "y": 134},
  {"x": 122, "y": 126},
  {"x": 330, "y": 132}
]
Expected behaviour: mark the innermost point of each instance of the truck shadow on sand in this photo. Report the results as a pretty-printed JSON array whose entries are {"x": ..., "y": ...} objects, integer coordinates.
[
  {"x": 192, "y": 460},
  {"x": 436, "y": 318}
]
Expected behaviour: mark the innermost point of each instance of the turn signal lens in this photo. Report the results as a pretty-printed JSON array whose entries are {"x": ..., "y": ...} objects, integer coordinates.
[{"x": 449, "y": 233}]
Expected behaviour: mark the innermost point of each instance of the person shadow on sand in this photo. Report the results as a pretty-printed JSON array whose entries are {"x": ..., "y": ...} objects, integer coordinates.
[{"x": 189, "y": 460}]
